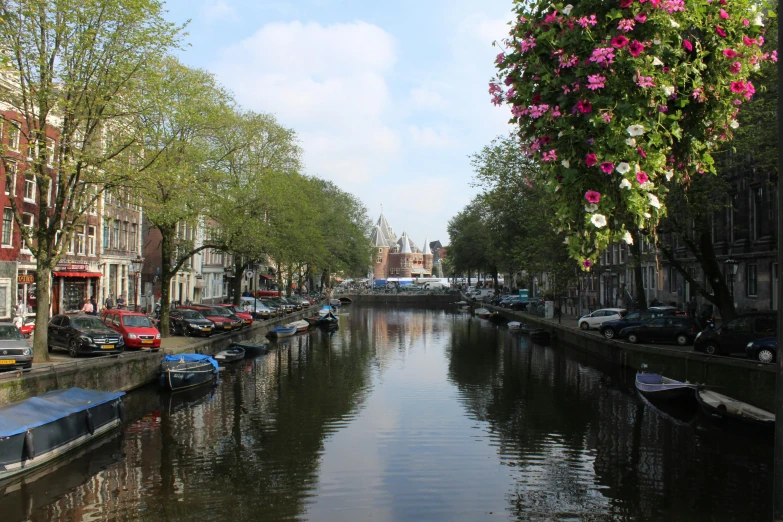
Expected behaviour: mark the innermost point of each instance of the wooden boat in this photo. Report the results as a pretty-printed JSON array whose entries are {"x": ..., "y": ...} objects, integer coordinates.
[
  {"x": 515, "y": 326},
  {"x": 328, "y": 321},
  {"x": 38, "y": 430},
  {"x": 483, "y": 313},
  {"x": 657, "y": 387},
  {"x": 312, "y": 320},
  {"x": 718, "y": 405},
  {"x": 281, "y": 331},
  {"x": 187, "y": 370},
  {"x": 251, "y": 348},
  {"x": 230, "y": 355},
  {"x": 301, "y": 325}
]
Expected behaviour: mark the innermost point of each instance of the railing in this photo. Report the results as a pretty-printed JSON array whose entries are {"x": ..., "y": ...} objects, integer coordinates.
[{"x": 404, "y": 290}]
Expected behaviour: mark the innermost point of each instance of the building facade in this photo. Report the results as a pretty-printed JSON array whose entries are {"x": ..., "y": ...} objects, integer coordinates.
[{"x": 398, "y": 258}]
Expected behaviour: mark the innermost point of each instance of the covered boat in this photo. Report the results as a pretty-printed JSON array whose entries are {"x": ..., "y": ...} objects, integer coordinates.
[
  {"x": 328, "y": 321},
  {"x": 301, "y": 325},
  {"x": 326, "y": 309},
  {"x": 186, "y": 370},
  {"x": 232, "y": 354},
  {"x": 41, "y": 429},
  {"x": 483, "y": 313},
  {"x": 282, "y": 331},
  {"x": 718, "y": 405},
  {"x": 657, "y": 387}
]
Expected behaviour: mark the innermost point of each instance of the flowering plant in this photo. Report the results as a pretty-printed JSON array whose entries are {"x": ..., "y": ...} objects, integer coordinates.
[{"x": 629, "y": 96}]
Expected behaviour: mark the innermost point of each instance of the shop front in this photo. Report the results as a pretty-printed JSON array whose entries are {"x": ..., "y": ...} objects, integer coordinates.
[
  {"x": 73, "y": 284},
  {"x": 25, "y": 290}
]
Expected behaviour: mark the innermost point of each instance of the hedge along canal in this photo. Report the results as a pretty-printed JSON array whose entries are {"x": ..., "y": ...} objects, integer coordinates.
[{"x": 122, "y": 372}]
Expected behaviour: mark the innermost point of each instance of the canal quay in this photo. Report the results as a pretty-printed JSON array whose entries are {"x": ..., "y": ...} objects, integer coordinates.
[{"x": 407, "y": 412}]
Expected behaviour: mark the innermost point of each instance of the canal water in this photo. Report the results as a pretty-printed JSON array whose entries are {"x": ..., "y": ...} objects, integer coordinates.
[{"x": 407, "y": 414}]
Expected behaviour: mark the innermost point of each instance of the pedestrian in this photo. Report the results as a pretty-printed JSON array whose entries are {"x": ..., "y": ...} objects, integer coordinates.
[
  {"x": 87, "y": 308},
  {"x": 19, "y": 314},
  {"x": 94, "y": 306},
  {"x": 121, "y": 302},
  {"x": 109, "y": 303},
  {"x": 692, "y": 307}
]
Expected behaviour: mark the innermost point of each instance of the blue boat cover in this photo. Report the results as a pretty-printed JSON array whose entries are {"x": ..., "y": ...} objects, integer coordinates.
[
  {"x": 18, "y": 417},
  {"x": 285, "y": 329},
  {"x": 191, "y": 357}
]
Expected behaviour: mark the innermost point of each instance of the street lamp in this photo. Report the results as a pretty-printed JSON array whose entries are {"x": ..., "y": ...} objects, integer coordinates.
[
  {"x": 732, "y": 265},
  {"x": 137, "y": 264}
]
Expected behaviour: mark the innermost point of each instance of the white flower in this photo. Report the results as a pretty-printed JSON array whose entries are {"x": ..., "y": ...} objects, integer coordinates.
[
  {"x": 674, "y": 24},
  {"x": 756, "y": 67},
  {"x": 628, "y": 238},
  {"x": 625, "y": 184},
  {"x": 654, "y": 200},
  {"x": 631, "y": 142},
  {"x": 560, "y": 134},
  {"x": 647, "y": 215},
  {"x": 657, "y": 41},
  {"x": 669, "y": 175},
  {"x": 734, "y": 124},
  {"x": 567, "y": 9},
  {"x": 635, "y": 130},
  {"x": 648, "y": 185},
  {"x": 592, "y": 207},
  {"x": 623, "y": 167},
  {"x": 668, "y": 90},
  {"x": 599, "y": 220},
  {"x": 759, "y": 20},
  {"x": 565, "y": 241},
  {"x": 566, "y": 164},
  {"x": 657, "y": 61}
]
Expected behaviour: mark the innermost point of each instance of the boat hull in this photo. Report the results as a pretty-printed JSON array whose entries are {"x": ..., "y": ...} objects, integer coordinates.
[
  {"x": 230, "y": 355},
  {"x": 664, "y": 389},
  {"x": 183, "y": 377},
  {"x": 726, "y": 409},
  {"x": 252, "y": 348},
  {"x": 282, "y": 332}
]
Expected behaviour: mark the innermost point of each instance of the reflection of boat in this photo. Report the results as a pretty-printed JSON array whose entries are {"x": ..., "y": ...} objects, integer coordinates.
[
  {"x": 301, "y": 325},
  {"x": 676, "y": 412},
  {"x": 723, "y": 407},
  {"x": 312, "y": 320},
  {"x": 282, "y": 331},
  {"x": 230, "y": 355},
  {"x": 253, "y": 348},
  {"x": 187, "y": 370},
  {"x": 462, "y": 303},
  {"x": 657, "y": 387},
  {"x": 483, "y": 313},
  {"x": 20, "y": 498},
  {"x": 181, "y": 400},
  {"x": 35, "y": 431}
]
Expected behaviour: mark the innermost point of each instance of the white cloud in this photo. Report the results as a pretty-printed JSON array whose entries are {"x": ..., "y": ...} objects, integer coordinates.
[
  {"x": 329, "y": 82},
  {"x": 486, "y": 29},
  {"x": 218, "y": 10},
  {"x": 429, "y": 138},
  {"x": 425, "y": 97}
]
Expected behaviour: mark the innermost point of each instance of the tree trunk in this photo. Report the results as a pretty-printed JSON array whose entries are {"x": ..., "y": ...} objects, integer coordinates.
[
  {"x": 239, "y": 268},
  {"x": 166, "y": 237},
  {"x": 468, "y": 278},
  {"x": 636, "y": 252},
  {"x": 279, "y": 281},
  {"x": 290, "y": 280},
  {"x": 43, "y": 301}
]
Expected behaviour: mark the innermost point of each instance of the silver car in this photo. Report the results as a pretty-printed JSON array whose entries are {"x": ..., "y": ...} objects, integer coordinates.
[{"x": 15, "y": 353}]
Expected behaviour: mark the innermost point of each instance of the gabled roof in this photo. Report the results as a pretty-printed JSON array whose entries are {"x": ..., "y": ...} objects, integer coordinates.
[
  {"x": 383, "y": 235},
  {"x": 426, "y": 247}
]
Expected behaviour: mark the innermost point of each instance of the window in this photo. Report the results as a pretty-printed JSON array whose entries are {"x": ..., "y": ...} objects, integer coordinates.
[
  {"x": 5, "y": 298},
  {"x": 380, "y": 250},
  {"x": 13, "y": 136},
  {"x": 115, "y": 234},
  {"x": 124, "y": 236},
  {"x": 644, "y": 277},
  {"x": 752, "y": 279},
  {"x": 29, "y": 188},
  {"x": 8, "y": 226},
  {"x": 80, "y": 240},
  {"x": 134, "y": 238},
  {"x": 91, "y": 240},
  {"x": 28, "y": 221},
  {"x": 10, "y": 173},
  {"x": 49, "y": 152},
  {"x": 741, "y": 324},
  {"x": 756, "y": 204},
  {"x": 378, "y": 259},
  {"x": 672, "y": 279},
  {"x": 105, "y": 232},
  {"x": 731, "y": 206}
]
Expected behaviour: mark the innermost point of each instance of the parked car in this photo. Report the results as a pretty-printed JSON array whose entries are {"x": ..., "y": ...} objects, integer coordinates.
[
  {"x": 222, "y": 322},
  {"x": 522, "y": 305},
  {"x": 136, "y": 329},
  {"x": 735, "y": 335},
  {"x": 28, "y": 326},
  {"x": 283, "y": 306},
  {"x": 275, "y": 308},
  {"x": 509, "y": 302},
  {"x": 237, "y": 322},
  {"x": 668, "y": 329},
  {"x": 611, "y": 329},
  {"x": 763, "y": 350},
  {"x": 247, "y": 317},
  {"x": 16, "y": 353},
  {"x": 291, "y": 301},
  {"x": 257, "y": 308},
  {"x": 190, "y": 322},
  {"x": 83, "y": 334},
  {"x": 497, "y": 299},
  {"x": 599, "y": 317}
]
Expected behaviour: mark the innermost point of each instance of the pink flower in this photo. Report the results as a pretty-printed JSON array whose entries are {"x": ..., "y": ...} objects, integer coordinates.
[
  {"x": 641, "y": 18},
  {"x": 748, "y": 41},
  {"x": 607, "y": 167},
  {"x": 592, "y": 196},
  {"x": 645, "y": 81},
  {"x": 585, "y": 21},
  {"x": 555, "y": 112},
  {"x": 527, "y": 44},
  {"x": 687, "y": 45},
  {"x": 626, "y": 25},
  {"x": 551, "y": 18},
  {"x": 698, "y": 93},
  {"x": 500, "y": 58},
  {"x": 626, "y": 3},
  {"x": 641, "y": 151},
  {"x": 729, "y": 53},
  {"x": 735, "y": 67},
  {"x": 595, "y": 82},
  {"x": 527, "y": 182},
  {"x": 494, "y": 88},
  {"x": 603, "y": 56},
  {"x": 724, "y": 14},
  {"x": 774, "y": 56},
  {"x": 584, "y": 106},
  {"x": 636, "y": 48},
  {"x": 549, "y": 155},
  {"x": 641, "y": 177},
  {"x": 587, "y": 263},
  {"x": 745, "y": 22},
  {"x": 619, "y": 41},
  {"x": 591, "y": 160},
  {"x": 721, "y": 31},
  {"x": 607, "y": 116},
  {"x": 737, "y": 86},
  {"x": 749, "y": 91},
  {"x": 671, "y": 6}
]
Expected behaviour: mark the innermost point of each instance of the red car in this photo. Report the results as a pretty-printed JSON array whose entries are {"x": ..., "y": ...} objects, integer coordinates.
[
  {"x": 246, "y": 317},
  {"x": 223, "y": 321},
  {"x": 136, "y": 329},
  {"x": 28, "y": 327}
]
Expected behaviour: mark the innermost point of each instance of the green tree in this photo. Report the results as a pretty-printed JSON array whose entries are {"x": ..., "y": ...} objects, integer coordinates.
[{"x": 76, "y": 71}]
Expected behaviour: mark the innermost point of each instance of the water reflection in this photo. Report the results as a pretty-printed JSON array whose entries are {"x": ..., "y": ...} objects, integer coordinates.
[{"x": 406, "y": 414}]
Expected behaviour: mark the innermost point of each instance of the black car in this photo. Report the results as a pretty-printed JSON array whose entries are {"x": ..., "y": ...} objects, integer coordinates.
[
  {"x": 610, "y": 329},
  {"x": 735, "y": 335},
  {"x": 83, "y": 334},
  {"x": 762, "y": 350},
  {"x": 668, "y": 329},
  {"x": 509, "y": 301},
  {"x": 519, "y": 305},
  {"x": 190, "y": 322}
]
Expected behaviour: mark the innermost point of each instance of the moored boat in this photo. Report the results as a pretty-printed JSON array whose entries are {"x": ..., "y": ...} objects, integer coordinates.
[
  {"x": 515, "y": 326},
  {"x": 186, "y": 370},
  {"x": 281, "y": 331},
  {"x": 721, "y": 406},
  {"x": 657, "y": 387},
  {"x": 312, "y": 320},
  {"x": 41, "y": 429},
  {"x": 301, "y": 325},
  {"x": 483, "y": 313},
  {"x": 328, "y": 321},
  {"x": 251, "y": 348},
  {"x": 232, "y": 354},
  {"x": 326, "y": 309}
]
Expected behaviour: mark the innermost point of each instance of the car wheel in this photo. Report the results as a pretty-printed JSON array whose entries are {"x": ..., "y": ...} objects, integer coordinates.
[
  {"x": 633, "y": 338},
  {"x": 584, "y": 325},
  {"x": 73, "y": 347},
  {"x": 765, "y": 355},
  {"x": 609, "y": 333},
  {"x": 711, "y": 349},
  {"x": 682, "y": 339}
]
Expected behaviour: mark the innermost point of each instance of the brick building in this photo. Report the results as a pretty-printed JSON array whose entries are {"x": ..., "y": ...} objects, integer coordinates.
[{"x": 398, "y": 258}]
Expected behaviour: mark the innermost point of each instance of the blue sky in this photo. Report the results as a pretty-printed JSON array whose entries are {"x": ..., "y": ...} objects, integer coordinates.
[{"x": 389, "y": 98}]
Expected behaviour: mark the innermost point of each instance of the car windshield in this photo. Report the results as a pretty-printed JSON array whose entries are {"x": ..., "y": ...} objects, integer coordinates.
[
  {"x": 137, "y": 321},
  {"x": 190, "y": 314},
  {"x": 8, "y": 332},
  {"x": 88, "y": 323},
  {"x": 220, "y": 311}
]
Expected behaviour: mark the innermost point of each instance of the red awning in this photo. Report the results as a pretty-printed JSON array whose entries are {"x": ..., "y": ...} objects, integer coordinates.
[
  {"x": 265, "y": 276},
  {"x": 75, "y": 273}
]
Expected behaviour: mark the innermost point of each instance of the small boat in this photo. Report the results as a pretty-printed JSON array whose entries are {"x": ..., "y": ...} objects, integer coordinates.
[
  {"x": 483, "y": 313},
  {"x": 328, "y": 321},
  {"x": 251, "y": 348},
  {"x": 326, "y": 309},
  {"x": 282, "y": 331},
  {"x": 41, "y": 429},
  {"x": 718, "y": 405},
  {"x": 515, "y": 326},
  {"x": 656, "y": 386},
  {"x": 301, "y": 325},
  {"x": 230, "y": 355},
  {"x": 312, "y": 320},
  {"x": 186, "y": 370}
]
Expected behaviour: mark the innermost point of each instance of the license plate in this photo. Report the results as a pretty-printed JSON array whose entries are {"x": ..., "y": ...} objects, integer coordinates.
[
  {"x": 146, "y": 342},
  {"x": 207, "y": 329},
  {"x": 107, "y": 347},
  {"x": 7, "y": 361},
  {"x": 228, "y": 327}
]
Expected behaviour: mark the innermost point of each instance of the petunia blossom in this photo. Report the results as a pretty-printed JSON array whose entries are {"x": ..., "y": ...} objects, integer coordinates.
[
  {"x": 628, "y": 238},
  {"x": 587, "y": 263},
  {"x": 591, "y": 160},
  {"x": 687, "y": 45},
  {"x": 735, "y": 67},
  {"x": 729, "y": 53},
  {"x": 641, "y": 17},
  {"x": 623, "y": 167},
  {"x": 738, "y": 86},
  {"x": 642, "y": 177},
  {"x": 593, "y": 196},
  {"x": 625, "y": 184},
  {"x": 584, "y": 106},
  {"x": 636, "y": 48},
  {"x": 724, "y": 14},
  {"x": 653, "y": 199},
  {"x": 607, "y": 167},
  {"x": 619, "y": 41},
  {"x": 599, "y": 220},
  {"x": 721, "y": 31},
  {"x": 635, "y": 130}
]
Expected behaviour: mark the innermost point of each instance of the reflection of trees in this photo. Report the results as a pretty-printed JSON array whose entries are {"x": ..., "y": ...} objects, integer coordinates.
[{"x": 584, "y": 444}]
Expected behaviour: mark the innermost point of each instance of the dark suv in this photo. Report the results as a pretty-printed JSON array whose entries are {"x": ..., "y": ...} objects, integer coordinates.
[
  {"x": 680, "y": 330},
  {"x": 610, "y": 329},
  {"x": 735, "y": 335},
  {"x": 83, "y": 334}
]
